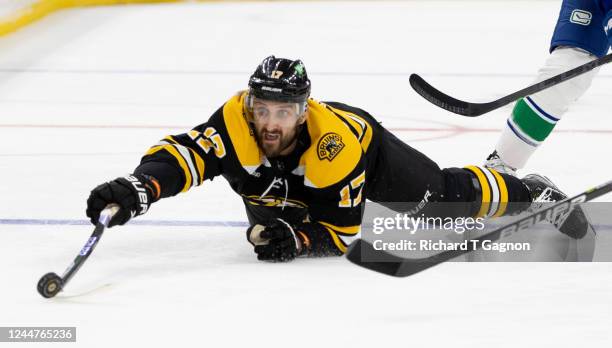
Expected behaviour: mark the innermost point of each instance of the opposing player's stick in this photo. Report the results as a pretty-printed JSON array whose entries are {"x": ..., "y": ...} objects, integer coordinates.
[
  {"x": 464, "y": 108},
  {"x": 402, "y": 267},
  {"x": 50, "y": 284}
]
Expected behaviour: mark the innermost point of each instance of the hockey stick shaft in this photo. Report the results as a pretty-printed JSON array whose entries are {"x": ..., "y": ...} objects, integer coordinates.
[
  {"x": 105, "y": 217},
  {"x": 402, "y": 267},
  {"x": 464, "y": 108},
  {"x": 50, "y": 284}
]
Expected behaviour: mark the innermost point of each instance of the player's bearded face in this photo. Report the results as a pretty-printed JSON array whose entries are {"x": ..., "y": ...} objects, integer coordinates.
[{"x": 276, "y": 126}]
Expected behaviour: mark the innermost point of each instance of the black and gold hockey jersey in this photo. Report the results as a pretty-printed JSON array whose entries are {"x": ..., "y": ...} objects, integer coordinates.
[{"x": 325, "y": 175}]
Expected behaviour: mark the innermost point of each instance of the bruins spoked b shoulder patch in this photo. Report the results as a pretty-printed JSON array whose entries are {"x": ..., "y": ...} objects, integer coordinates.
[{"x": 329, "y": 146}]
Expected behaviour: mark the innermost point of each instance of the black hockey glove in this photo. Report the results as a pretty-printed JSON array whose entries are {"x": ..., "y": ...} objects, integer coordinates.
[
  {"x": 279, "y": 240},
  {"x": 133, "y": 193},
  {"x": 276, "y": 241}
]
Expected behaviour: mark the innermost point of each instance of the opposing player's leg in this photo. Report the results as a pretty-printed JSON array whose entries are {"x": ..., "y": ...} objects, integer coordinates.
[{"x": 578, "y": 38}]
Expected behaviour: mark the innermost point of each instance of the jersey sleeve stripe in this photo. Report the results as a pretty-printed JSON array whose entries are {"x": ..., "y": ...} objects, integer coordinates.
[
  {"x": 200, "y": 165},
  {"x": 170, "y": 140},
  {"x": 190, "y": 156},
  {"x": 181, "y": 161},
  {"x": 344, "y": 230},
  {"x": 185, "y": 153},
  {"x": 342, "y": 236},
  {"x": 337, "y": 241}
]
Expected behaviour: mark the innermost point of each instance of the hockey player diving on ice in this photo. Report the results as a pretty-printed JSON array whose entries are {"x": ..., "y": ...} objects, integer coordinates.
[{"x": 304, "y": 169}]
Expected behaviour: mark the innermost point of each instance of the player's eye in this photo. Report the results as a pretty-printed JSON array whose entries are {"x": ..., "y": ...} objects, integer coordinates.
[
  {"x": 282, "y": 113},
  {"x": 260, "y": 112}
]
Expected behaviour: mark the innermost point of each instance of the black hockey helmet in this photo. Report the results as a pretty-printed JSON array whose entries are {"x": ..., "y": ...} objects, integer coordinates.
[{"x": 280, "y": 79}]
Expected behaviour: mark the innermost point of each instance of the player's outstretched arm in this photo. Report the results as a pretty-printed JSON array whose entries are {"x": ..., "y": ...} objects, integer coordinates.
[{"x": 173, "y": 165}]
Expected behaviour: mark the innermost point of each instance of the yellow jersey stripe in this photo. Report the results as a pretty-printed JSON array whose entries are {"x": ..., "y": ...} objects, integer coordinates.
[
  {"x": 366, "y": 137},
  {"x": 337, "y": 240},
  {"x": 199, "y": 165},
  {"x": 361, "y": 126},
  {"x": 154, "y": 149},
  {"x": 348, "y": 230},
  {"x": 484, "y": 187},
  {"x": 181, "y": 161},
  {"x": 170, "y": 139}
]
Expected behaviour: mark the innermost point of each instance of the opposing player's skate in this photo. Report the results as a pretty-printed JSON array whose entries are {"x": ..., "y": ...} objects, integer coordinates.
[{"x": 495, "y": 162}]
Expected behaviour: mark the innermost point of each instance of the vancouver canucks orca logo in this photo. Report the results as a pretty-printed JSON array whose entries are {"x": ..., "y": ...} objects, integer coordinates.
[{"x": 329, "y": 146}]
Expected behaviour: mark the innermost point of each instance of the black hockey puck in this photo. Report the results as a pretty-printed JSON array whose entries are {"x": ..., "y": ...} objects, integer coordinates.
[{"x": 49, "y": 285}]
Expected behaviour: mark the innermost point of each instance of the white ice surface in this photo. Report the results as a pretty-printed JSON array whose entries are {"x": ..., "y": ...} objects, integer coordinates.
[{"x": 84, "y": 92}]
